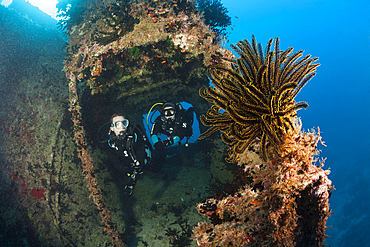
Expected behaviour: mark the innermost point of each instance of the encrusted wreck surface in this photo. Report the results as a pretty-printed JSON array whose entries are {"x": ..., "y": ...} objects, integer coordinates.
[
  {"x": 134, "y": 53},
  {"x": 45, "y": 194},
  {"x": 141, "y": 51},
  {"x": 124, "y": 56}
]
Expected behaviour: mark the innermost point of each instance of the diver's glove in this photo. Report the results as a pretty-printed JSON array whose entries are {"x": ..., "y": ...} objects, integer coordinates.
[{"x": 168, "y": 142}]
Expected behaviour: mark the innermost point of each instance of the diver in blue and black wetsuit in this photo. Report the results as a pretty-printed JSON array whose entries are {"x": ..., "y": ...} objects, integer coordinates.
[
  {"x": 131, "y": 149},
  {"x": 174, "y": 122}
]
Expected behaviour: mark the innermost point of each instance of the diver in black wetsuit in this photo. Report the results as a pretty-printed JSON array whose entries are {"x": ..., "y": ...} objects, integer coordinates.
[
  {"x": 175, "y": 122},
  {"x": 131, "y": 149}
]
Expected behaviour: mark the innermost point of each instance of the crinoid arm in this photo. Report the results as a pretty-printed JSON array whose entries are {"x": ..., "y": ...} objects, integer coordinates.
[
  {"x": 208, "y": 132},
  {"x": 257, "y": 91},
  {"x": 215, "y": 119}
]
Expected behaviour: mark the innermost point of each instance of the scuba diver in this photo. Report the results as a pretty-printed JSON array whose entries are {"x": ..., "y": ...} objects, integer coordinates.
[
  {"x": 131, "y": 150},
  {"x": 175, "y": 122}
]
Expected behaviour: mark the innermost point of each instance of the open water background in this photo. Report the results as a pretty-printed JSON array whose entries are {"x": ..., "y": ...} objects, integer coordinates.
[{"x": 338, "y": 32}]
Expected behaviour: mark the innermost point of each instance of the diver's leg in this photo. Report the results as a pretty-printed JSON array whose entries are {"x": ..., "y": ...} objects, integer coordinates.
[
  {"x": 158, "y": 160},
  {"x": 133, "y": 175}
]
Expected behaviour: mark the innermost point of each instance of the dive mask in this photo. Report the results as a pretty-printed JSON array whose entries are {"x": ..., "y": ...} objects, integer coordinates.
[
  {"x": 169, "y": 112},
  {"x": 122, "y": 124}
]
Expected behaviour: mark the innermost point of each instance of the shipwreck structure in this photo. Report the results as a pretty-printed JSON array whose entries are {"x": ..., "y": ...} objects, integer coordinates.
[{"x": 124, "y": 56}]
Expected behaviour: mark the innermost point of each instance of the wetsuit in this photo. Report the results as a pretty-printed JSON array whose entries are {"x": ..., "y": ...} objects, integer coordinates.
[
  {"x": 175, "y": 130},
  {"x": 131, "y": 153}
]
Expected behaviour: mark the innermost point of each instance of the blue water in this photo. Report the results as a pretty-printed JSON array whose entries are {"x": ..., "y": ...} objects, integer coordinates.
[{"x": 338, "y": 96}]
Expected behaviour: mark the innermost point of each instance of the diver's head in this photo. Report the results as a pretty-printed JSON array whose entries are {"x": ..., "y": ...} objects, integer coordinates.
[
  {"x": 168, "y": 111},
  {"x": 118, "y": 124}
]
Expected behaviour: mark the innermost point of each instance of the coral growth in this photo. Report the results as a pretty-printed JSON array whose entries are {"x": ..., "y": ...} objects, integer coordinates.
[
  {"x": 88, "y": 168},
  {"x": 165, "y": 48},
  {"x": 215, "y": 15},
  {"x": 125, "y": 48},
  {"x": 38, "y": 194},
  {"x": 285, "y": 205},
  {"x": 32, "y": 107},
  {"x": 257, "y": 92}
]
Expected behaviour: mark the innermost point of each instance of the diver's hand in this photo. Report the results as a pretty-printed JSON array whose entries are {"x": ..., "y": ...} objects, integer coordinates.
[{"x": 167, "y": 142}]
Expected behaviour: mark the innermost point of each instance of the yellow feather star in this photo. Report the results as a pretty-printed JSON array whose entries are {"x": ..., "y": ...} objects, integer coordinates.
[{"x": 257, "y": 93}]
